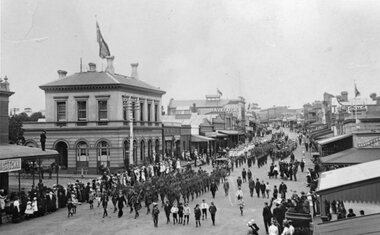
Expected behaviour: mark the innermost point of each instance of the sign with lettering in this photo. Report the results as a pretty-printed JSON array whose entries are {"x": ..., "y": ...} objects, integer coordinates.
[
  {"x": 9, "y": 165},
  {"x": 368, "y": 142},
  {"x": 353, "y": 108}
]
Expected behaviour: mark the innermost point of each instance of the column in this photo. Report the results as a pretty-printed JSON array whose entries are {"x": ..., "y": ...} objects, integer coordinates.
[
  {"x": 137, "y": 110},
  {"x": 152, "y": 111},
  {"x": 145, "y": 111},
  {"x": 159, "y": 111}
]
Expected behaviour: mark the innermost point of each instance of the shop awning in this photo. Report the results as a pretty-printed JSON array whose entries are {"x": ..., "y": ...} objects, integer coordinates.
[
  {"x": 229, "y": 132},
  {"x": 357, "y": 183},
  {"x": 9, "y": 151},
  {"x": 352, "y": 156},
  {"x": 333, "y": 139},
  {"x": 368, "y": 224},
  {"x": 214, "y": 134},
  {"x": 319, "y": 133},
  {"x": 200, "y": 138}
]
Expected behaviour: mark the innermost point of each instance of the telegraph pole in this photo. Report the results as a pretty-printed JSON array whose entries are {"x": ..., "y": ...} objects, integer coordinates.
[{"x": 130, "y": 109}]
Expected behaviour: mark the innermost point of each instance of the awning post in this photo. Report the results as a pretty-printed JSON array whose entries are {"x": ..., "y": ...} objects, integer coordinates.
[{"x": 19, "y": 181}]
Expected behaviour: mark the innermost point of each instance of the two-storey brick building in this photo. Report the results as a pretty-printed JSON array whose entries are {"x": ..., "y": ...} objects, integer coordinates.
[{"x": 88, "y": 117}]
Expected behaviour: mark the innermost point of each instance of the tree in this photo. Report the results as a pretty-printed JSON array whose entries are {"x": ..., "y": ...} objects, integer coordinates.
[
  {"x": 16, "y": 133},
  {"x": 35, "y": 116}
]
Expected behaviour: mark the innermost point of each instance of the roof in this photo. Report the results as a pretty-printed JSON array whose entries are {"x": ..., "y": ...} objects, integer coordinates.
[
  {"x": 333, "y": 139},
  {"x": 98, "y": 78},
  {"x": 202, "y": 103},
  {"x": 8, "y": 151},
  {"x": 194, "y": 120},
  {"x": 367, "y": 224},
  {"x": 214, "y": 134},
  {"x": 352, "y": 156},
  {"x": 229, "y": 132},
  {"x": 349, "y": 175},
  {"x": 199, "y": 138}
]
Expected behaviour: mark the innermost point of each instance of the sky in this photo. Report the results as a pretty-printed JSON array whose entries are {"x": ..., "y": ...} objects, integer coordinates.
[{"x": 271, "y": 52}]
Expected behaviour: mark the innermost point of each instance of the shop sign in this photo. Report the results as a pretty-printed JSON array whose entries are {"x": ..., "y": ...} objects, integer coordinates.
[{"x": 9, "y": 165}]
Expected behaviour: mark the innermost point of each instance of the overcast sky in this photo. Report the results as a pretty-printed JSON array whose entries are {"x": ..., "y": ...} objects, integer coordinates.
[{"x": 282, "y": 52}]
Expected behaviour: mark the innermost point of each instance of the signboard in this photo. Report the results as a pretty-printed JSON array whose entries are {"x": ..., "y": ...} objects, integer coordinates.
[
  {"x": 353, "y": 108},
  {"x": 9, "y": 165}
]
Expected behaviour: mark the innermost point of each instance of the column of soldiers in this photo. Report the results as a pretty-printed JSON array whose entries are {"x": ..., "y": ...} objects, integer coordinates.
[{"x": 173, "y": 187}]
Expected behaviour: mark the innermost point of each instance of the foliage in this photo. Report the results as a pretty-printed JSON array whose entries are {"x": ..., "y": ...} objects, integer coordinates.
[{"x": 16, "y": 133}]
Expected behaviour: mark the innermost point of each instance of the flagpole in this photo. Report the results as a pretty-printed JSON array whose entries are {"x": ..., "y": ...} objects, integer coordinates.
[{"x": 356, "y": 107}]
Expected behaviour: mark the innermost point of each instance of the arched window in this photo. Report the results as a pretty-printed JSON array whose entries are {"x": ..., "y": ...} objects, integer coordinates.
[
  {"x": 142, "y": 151},
  {"x": 82, "y": 151},
  {"x": 150, "y": 151},
  {"x": 103, "y": 151},
  {"x": 134, "y": 152},
  {"x": 157, "y": 150}
]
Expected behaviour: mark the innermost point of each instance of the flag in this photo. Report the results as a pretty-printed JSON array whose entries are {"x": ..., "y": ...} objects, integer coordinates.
[
  {"x": 219, "y": 92},
  {"x": 357, "y": 93},
  {"x": 103, "y": 47}
]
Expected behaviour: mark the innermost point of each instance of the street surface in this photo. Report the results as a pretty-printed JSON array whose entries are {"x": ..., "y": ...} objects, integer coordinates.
[{"x": 228, "y": 218}]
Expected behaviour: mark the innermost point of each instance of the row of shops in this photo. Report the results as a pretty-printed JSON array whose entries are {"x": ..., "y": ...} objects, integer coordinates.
[
  {"x": 350, "y": 163},
  {"x": 180, "y": 140}
]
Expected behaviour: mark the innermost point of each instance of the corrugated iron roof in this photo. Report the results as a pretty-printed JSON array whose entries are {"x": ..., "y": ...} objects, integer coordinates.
[
  {"x": 349, "y": 175},
  {"x": 333, "y": 139},
  {"x": 352, "y": 156},
  {"x": 8, "y": 151}
]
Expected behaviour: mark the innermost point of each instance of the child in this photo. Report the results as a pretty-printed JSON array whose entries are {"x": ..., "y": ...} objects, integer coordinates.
[
  {"x": 98, "y": 196},
  {"x": 241, "y": 206},
  {"x": 204, "y": 207},
  {"x": 180, "y": 213},
  {"x": 29, "y": 210},
  {"x": 197, "y": 213},
  {"x": 174, "y": 211},
  {"x": 186, "y": 212},
  {"x": 69, "y": 207},
  {"x": 91, "y": 198}
]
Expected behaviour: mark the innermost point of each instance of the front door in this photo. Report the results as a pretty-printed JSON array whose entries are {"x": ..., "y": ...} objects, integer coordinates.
[{"x": 61, "y": 147}]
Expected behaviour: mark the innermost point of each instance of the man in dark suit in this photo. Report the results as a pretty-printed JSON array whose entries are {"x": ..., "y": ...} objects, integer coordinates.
[
  {"x": 267, "y": 215},
  {"x": 257, "y": 187},
  {"x": 43, "y": 140},
  {"x": 282, "y": 190}
]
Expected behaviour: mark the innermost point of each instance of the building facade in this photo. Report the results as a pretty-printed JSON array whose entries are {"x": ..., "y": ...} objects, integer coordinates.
[{"x": 88, "y": 118}]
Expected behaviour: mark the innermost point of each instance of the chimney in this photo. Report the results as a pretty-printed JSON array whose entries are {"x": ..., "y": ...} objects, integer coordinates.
[
  {"x": 92, "y": 67},
  {"x": 110, "y": 69},
  {"x": 134, "y": 73},
  {"x": 344, "y": 95},
  {"x": 193, "y": 109},
  {"x": 61, "y": 74}
]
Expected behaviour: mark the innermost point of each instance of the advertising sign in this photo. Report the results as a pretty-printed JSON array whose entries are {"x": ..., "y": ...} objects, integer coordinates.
[{"x": 9, "y": 165}]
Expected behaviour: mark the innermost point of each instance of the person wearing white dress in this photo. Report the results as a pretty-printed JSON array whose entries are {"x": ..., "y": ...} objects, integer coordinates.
[
  {"x": 35, "y": 206},
  {"x": 29, "y": 210}
]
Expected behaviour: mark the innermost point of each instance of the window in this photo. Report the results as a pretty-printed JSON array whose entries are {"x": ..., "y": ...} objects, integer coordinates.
[
  {"x": 82, "y": 151},
  {"x": 103, "y": 153},
  {"x": 142, "y": 111},
  {"x": 149, "y": 112},
  {"x": 125, "y": 113},
  {"x": 82, "y": 110},
  {"x": 61, "y": 111},
  {"x": 150, "y": 151},
  {"x": 156, "y": 113},
  {"x": 102, "y": 109},
  {"x": 133, "y": 111},
  {"x": 142, "y": 148}
]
